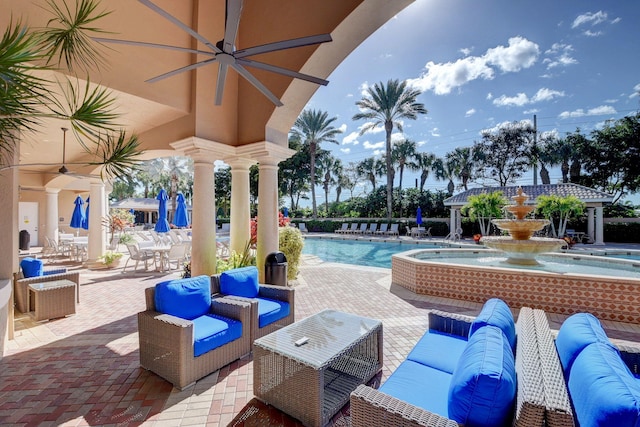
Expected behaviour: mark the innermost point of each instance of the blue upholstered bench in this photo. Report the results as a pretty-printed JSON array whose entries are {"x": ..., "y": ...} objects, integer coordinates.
[
  {"x": 272, "y": 307},
  {"x": 458, "y": 372},
  {"x": 603, "y": 389}
]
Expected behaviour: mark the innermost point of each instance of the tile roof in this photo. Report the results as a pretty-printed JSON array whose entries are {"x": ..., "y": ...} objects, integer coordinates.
[{"x": 585, "y": 194}]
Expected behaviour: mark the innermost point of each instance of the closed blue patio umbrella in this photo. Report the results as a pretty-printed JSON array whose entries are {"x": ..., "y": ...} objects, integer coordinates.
[
  {"x": 85, "y": 220},
  {"x": 162, "y": 226},
  {"x": 285, "y": 212},
  {"x": 78, "y": 214},
  {"x": 419, "y": 216},
  {"x": 181, "y": 218}
]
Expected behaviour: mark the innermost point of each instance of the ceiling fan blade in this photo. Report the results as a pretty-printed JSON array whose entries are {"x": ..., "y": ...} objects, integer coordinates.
[
  {"x": 175, "y": 21},
  {"x": 282, "y": 45},
  {"x": 232, "y": 22},
  {"x": 222, "y": 75},
  {"x": 154, "y": 45},
  {"x": 256, "y": 83},
  {"x": 181, "y": 70},
  {"x": 283, "y": 71}
]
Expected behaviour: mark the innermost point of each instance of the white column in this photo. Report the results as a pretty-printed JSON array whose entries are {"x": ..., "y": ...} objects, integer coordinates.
[
  {"x": 453, "y": 222},
  {"x": 97, "y": 211},
  {"x": 590, "y": 225},
  {"x": 240, "y": 215},
  {"x": 51, "y": 220},
  {"x": 203, "y": 237},
  {"x": 599, "y": 226},
  {"x": 268, "y": 240}
]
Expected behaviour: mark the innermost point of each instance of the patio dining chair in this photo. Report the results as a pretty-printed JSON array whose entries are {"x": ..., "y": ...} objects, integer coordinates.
[
  {"x": 137, "y": 255},
  {"x": 177, "y": 254}
]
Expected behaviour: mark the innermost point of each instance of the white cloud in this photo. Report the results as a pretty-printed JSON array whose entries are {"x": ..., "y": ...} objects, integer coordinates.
[
  {"x": 589, "y": 18},
  {"x": 466, "y": 51},
  {"x": 369, "y": 146},
  {"x": 435, "y": 132},
  {"x": 560, "y": 56},
  {"x": 364, "y": 86},
  {"x": 343, "y": 128},
  {"x": 636, "y": 91},
  {"x": 470, "y": 112},
  {"x": 590, "y": 33},
  {"x": 352, "y": 138},
  {"x": 378, "y": 152},
  {"x": 376, "y": 129},
  {"x": 442, "y": 78},
  {"x": 597, "y": 111},
  {"x": 489, "y": 96},
  {"x": 521, "y": 99},
  {"x": 421, "y": 143},
  {"x": 346, "y": 150}
]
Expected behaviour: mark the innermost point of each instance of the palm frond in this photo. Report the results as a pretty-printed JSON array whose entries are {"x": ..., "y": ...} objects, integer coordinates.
[{"x": 119, "y": 155}]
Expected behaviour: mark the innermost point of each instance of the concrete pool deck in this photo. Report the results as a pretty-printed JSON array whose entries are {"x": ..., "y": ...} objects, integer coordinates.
[{"x": 84, "y": 369}]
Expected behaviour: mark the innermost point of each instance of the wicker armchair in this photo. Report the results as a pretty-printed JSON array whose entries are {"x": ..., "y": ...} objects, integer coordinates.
[
  {"x": 21, "y": 284},
  {"x": 166, "y": 342},
  {"x": 273, "y": 292}
]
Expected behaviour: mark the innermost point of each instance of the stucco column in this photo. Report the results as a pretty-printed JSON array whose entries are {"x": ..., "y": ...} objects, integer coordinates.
[
  {"x": 203, "y": 237},
  {"x": 51, "y": 218},
  {"x": 590, "y": 225},
  {"x": 599, "y": 226},
  {"x": 240, "y": 214},
  {"x": 267, "y": 212},
  {"x": 97, "y": 211},
  {"x": 453, "y": 222}
]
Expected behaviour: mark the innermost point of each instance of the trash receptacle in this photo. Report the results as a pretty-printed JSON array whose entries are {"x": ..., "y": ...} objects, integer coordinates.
[
  {"x": 25, "y": 240},
  {"x": 275, "y": 269}
]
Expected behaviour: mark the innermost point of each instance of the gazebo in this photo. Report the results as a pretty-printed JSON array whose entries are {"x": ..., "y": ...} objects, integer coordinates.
[{"x": 594, "y": 199}]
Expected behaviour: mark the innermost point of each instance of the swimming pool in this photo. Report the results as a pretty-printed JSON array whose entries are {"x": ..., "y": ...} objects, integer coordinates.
[{"x": 358, "y": 252}]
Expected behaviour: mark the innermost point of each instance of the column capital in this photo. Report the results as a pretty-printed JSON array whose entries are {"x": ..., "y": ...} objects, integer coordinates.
[
  {"x": 239, "y": 163},
  {"x": 200, "y": 148},
  {"x": 50, "y": 190},
  {"x": 265, "y": 152}
]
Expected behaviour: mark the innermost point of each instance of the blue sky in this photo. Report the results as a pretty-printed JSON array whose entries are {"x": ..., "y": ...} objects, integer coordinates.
[{"x": 574, "y": 64}]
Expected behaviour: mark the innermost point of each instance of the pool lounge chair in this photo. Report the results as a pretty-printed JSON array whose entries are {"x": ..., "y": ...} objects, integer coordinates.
[
  {"x": 362, "y": 229},
  {"x": 352, "y": 229},
  {"x": 345, "y": 227},
  {"x": 383, "y": 229},
  {"x": 393, "y": 231},
  {"x": 373, "y": 228},
  {"x": 303, "y": 227}
]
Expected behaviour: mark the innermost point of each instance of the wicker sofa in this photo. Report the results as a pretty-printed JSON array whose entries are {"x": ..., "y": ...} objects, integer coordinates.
[
  {"x": 540, "y": 400},
  {"x": 272, "y": 307},
  {"x": 21, "y": 283},
  {"x": 185, "y": 334}
]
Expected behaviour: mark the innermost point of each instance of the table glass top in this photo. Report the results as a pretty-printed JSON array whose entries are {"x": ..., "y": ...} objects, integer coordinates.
[
  {"x": 62, "y": 283},
  {"x": 329, "y": 333}
]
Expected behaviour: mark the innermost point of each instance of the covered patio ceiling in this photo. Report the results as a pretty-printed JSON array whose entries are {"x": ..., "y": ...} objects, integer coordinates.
[{"x": 182, "y": 106}]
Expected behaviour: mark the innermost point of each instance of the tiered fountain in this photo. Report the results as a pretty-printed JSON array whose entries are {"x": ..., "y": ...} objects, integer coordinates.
[{"x": 519, "y": 246}]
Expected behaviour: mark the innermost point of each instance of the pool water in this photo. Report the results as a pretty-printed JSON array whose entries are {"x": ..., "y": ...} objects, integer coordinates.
[{"x": 357, "y": 252}]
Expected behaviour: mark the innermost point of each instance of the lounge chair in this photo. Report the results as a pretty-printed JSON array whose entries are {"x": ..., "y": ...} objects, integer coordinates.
[
  {"x": 383, "y": 228},
  {"x": 303, "y": 227},
  {"x": 373, "y": 228},
  {"x": 393, "y": 231},
  {"x": 345, "y": 227},
  {"x": 362, "y": 229},
  {"x": 352, "y": 229}
]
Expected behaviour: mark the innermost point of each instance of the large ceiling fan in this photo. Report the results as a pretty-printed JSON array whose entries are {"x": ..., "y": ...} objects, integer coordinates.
[{"x": 225, "y": 55}]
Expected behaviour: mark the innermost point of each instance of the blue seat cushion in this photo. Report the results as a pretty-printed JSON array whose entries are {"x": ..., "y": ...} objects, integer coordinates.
[
  {"x": 483, "y": 385},
  {"x": 496, "y": 312},
  {"x": 270, "y": 311},
  {"x": 55, "y": 271},
  {"x": 241, "y": 282},
  {"x": 212, "y": 331},
  {"x": 438, "y": 350},
  {"x": 31, "y": 267},
  {"x": 577, "y": 332},
  {"x": 419, "y": 385},
  {"x": 184, "y": 298},
  {"x": 602, "y": 389}
]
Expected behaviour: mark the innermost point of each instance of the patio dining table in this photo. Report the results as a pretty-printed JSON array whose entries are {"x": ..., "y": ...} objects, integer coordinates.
[{"x": 160, "y": 255}]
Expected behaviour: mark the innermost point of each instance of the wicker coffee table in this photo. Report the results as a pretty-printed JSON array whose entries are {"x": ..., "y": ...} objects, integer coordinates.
[
  {"x": 312, "y": 381},
  {"x": 53, "y": 299}
]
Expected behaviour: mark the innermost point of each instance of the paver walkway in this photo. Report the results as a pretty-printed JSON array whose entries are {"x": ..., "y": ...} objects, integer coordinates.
[{"x": 84, "y": 369}]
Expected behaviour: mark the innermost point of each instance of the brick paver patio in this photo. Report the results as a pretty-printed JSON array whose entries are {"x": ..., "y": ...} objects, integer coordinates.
[{"x": 84, "y": 369}]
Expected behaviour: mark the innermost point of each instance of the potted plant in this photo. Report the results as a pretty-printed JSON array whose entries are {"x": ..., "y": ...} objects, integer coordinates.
[{"x": 110, "y": 258}]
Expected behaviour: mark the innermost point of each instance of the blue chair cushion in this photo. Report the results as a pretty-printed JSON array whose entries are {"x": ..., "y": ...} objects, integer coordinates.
[
  {"x": 483, "y": 385},
  {"x": 602, "y": 389},
  {"x": 419, "y": 385},
  {"x": 241, "y": 282},
  {"x": 496, "y": 313},
  {"x": 577, "y": 332},
  {"x": 55, "y": 271},
  {"x": 270, "y": 311},
  {"x": 212, "y": 331},
  {"x": 438, "y": 350},
  {"x": 184, "y": 298},
  {"x": 31, "y": 267}
]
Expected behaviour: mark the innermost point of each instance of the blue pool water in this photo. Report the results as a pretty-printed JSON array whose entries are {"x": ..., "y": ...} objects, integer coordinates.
[{"x": 372, "y": 254}]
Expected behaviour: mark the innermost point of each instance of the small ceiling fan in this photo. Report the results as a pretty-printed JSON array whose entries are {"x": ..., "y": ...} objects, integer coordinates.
[{"x": 225, "y": 55}]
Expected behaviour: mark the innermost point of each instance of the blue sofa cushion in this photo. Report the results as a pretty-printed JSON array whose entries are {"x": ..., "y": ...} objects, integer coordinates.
[
  {"x": 419, "y": 385},
  {"x": 31, "y": 267},
  {"x": 184, "y": 298},
  {"x": 212, "y": 331},
  {"x": 270, "y": 311},
  {"x": 241, "y": 282},
  {"x": 496, "y": 312},
  {"x": 602, "y": 389},
  {"x": 577, "y": 332},
  {"x": 438, "y": 350},
  {"x": 483, "y": 385}
]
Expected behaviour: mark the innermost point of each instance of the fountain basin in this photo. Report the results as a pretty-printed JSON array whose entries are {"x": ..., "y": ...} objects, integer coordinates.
[
  {"x": 520, "y": 229},
  {"x": 617, "y": 298},
  {"x": 523, "y": 252}
]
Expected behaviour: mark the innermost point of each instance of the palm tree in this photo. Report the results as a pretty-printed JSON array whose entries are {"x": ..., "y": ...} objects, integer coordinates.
[
  {"x": 313, "y": 127},
  {"x": 28, "y": 99},
  {"x": 483, "y": 208},
  {"x": 367, "y": 170},
  {"x": 445, "y": 170},
  {"x": 404, "y": 153},
  {"x": 386, "y": 106},
  {"x": 331, "y": 166},
  {"x": 424, "y": 163},
  {"x": 463, "y": 160}
]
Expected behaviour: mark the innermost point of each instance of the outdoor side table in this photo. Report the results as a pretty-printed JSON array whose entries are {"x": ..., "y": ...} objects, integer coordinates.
[
  {"x": 52, "y": 299},
  {"x": 313, "y": 381}
]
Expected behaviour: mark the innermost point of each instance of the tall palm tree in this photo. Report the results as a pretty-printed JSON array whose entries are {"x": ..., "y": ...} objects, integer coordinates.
[
  {"x": 404, "y": 153},
  {"x": 463, "y": 160},
  {"x": 330, "y": 166},
  {"x": 313, "y": 127},
  {"x": 28, "y": 96},
  {"x": 386, "y": 106},
  {"x": 424, "y": 163},
  {"x": 445, "y": 170},
  {"x": 367, "y": 170}
]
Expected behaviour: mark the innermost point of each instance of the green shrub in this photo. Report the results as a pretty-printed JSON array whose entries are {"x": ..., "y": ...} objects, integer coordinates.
[
  {"x": 127, "y": 239},
  {"x": 291, "y": 243}
]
